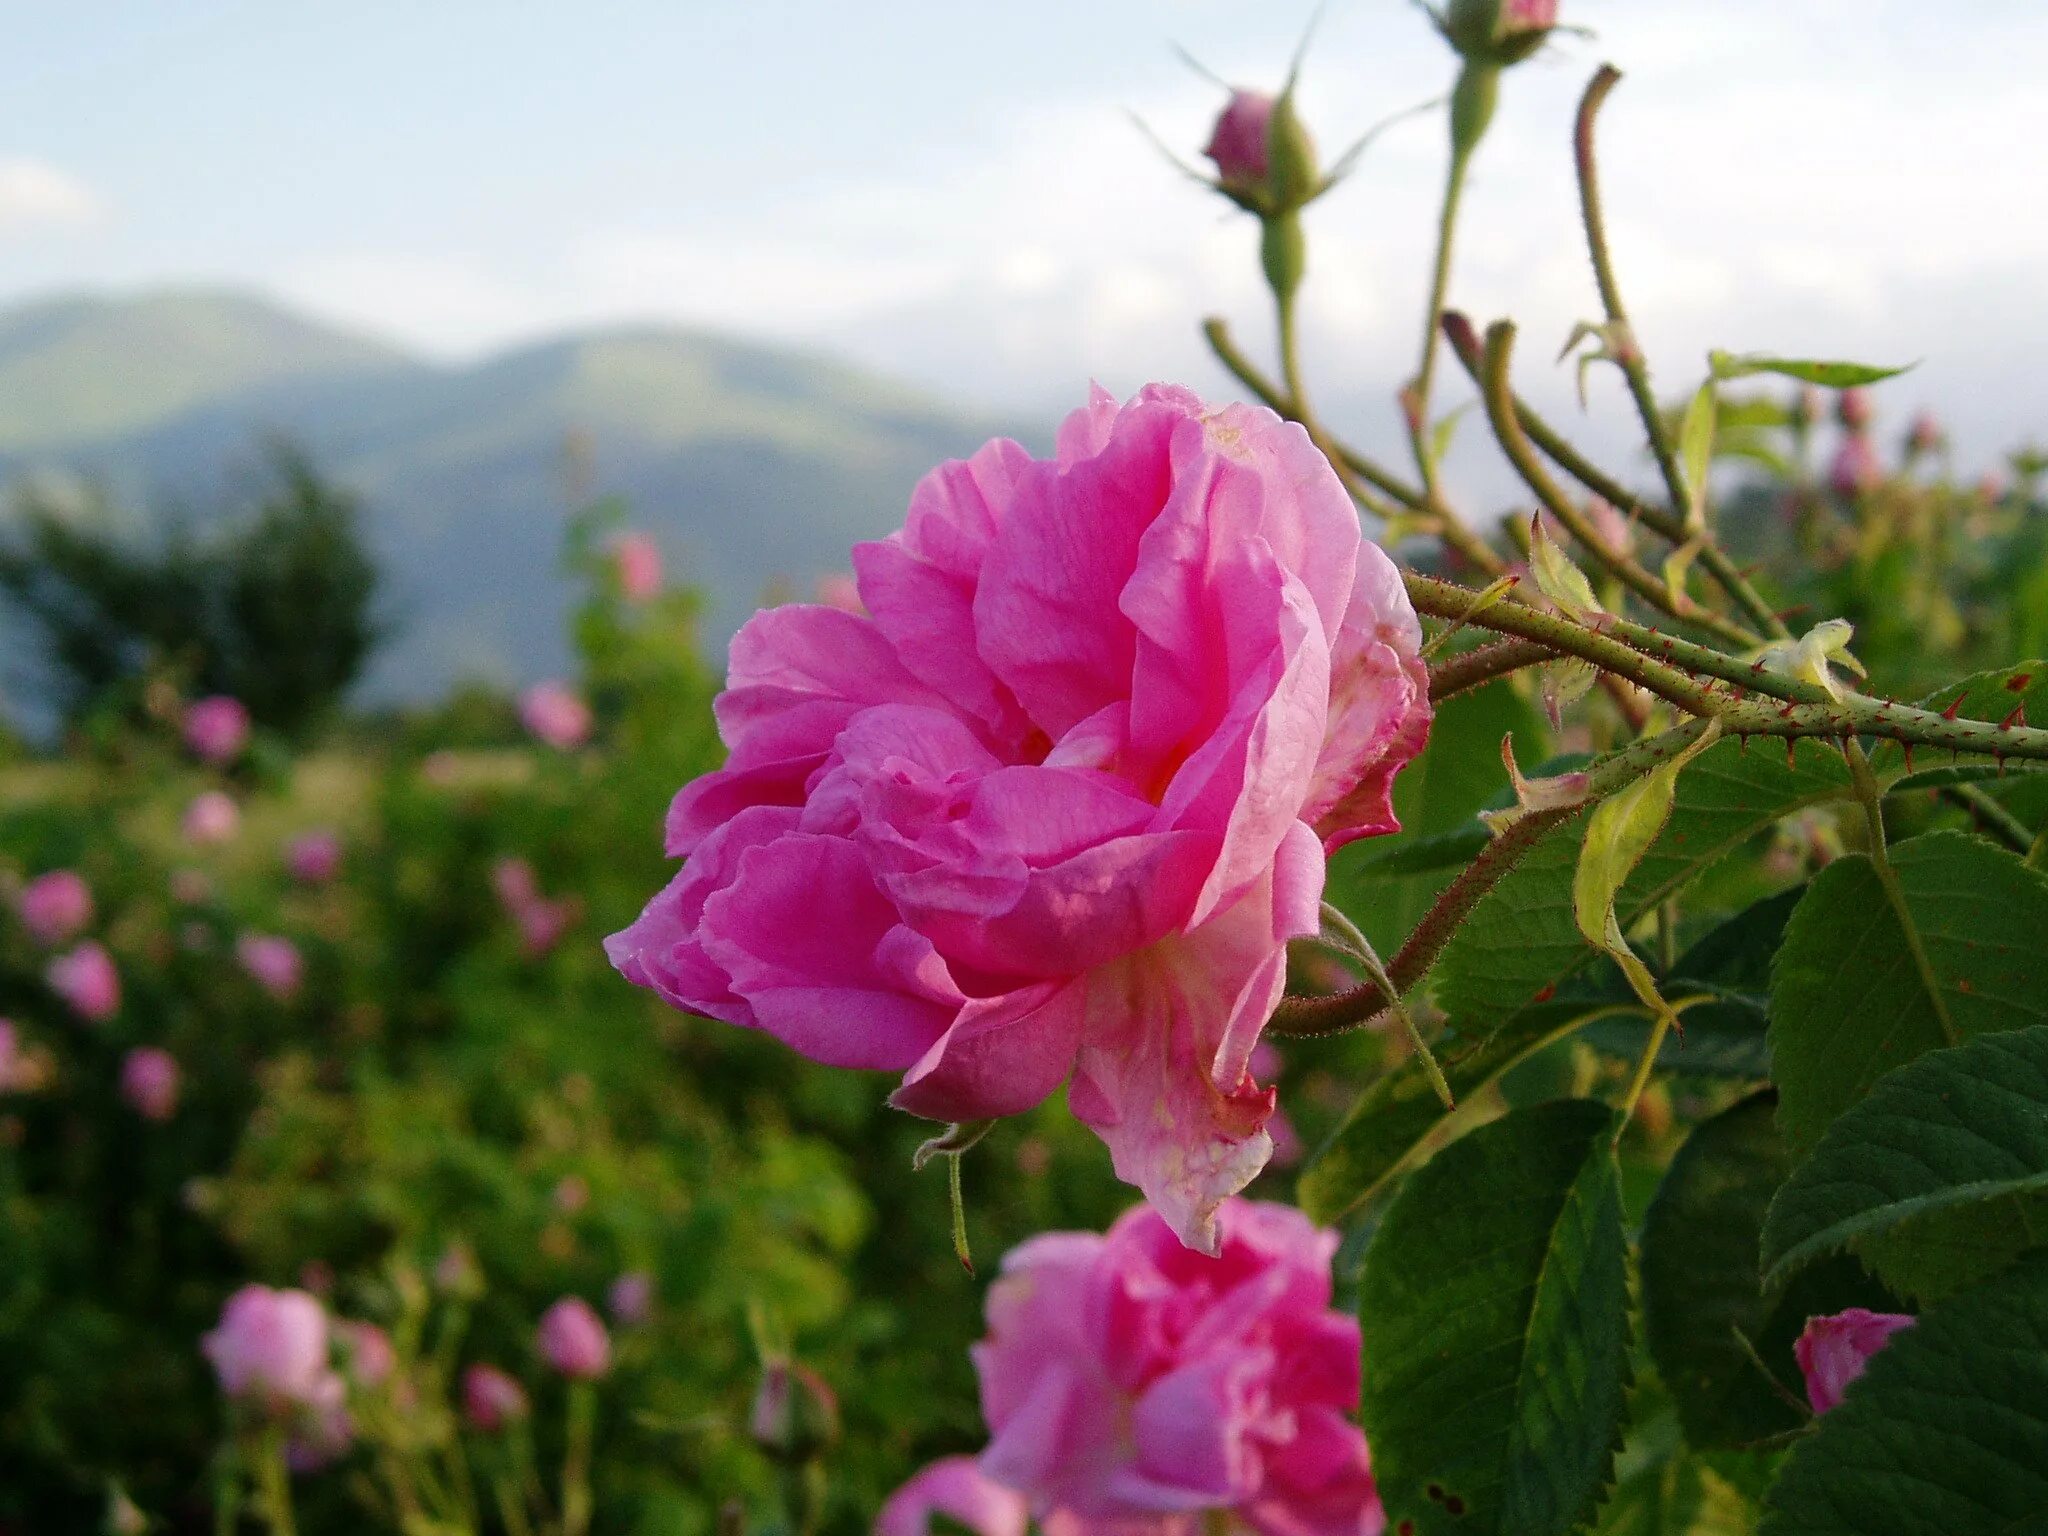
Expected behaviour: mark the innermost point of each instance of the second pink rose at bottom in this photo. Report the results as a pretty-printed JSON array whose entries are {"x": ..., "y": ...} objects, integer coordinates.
[{"x": 1132, "y": 1385}]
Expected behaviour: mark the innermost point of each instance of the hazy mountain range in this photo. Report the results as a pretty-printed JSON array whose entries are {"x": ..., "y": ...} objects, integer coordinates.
[{"x": 752, "y": 465}]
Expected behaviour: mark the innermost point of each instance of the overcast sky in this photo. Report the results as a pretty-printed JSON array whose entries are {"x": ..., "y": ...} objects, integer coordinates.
[{"x": 954, "y": 192}]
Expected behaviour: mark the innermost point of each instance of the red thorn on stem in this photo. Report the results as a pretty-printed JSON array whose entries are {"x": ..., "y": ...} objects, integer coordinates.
[
  {"x": 1791, "y": 761},
  {"x": 2017, "y": 717},
  {"x": 1909, "y": 755},
  {"x": 1950, "y": 712}
]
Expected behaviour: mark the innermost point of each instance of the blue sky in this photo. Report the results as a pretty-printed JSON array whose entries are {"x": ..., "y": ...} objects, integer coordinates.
[{"x": 953, "y": 192}]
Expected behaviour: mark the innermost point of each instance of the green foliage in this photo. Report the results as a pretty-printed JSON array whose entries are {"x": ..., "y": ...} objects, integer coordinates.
[
  {"x": 1960, "y": 1127},
  {"x": 1877, "y": 972},
  {"x": 1496, "y": 1320},
  {"x": 1946, "y": 1432},
  {"x": 1743, "y": 365}
]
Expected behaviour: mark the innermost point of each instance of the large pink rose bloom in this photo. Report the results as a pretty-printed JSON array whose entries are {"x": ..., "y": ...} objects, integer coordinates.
[
  {"x": 1125, "y": 1376},
  {"x": 1053, "y": 810}
]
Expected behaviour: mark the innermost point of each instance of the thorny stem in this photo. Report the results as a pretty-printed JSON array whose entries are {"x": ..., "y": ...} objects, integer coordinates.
[
  {"x": 1466, "y": 347},
  {"x": 1476, "y": 668},
  {"x": 1500, "y": 411},
  {"x": 1631, "y": 357}
]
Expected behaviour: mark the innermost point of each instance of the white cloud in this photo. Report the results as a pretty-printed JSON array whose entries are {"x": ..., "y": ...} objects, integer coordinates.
[{"x": 36, "y": 195}]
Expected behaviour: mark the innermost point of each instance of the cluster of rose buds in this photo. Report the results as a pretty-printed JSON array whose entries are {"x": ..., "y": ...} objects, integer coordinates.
[{"x": 554, "y": 713}]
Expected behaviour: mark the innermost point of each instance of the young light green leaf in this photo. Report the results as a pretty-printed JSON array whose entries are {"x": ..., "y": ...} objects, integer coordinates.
[
  {"x": 1618, "y": 834},
  {"x": 1955, "y": 1128},
  {"x": 1830, "y": 375},
  {"x": 1565, "y": 681},
  {"x": 1807, "y": 657},
  {"x": 1494, "y": 1308},
  {"x": 1445, "y": 429},
  {"x": 1946, "y": 1432},
  {"x": 1696, "y": 453},
  {"x": 1677, "y": 563},
  {"x": 1557, "y": 578},
  {"x": 1866, "y": 983}
]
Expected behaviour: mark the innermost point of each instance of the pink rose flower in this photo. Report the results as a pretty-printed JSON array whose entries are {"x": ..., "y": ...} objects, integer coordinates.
[
  {"x": 313, "y": 858},
  {"x": 555, "y": 714},
  {"x": 1125, "y": 1375},
  {"x": 491, "y": 1399},
  {"x": 1056, "y": 808},
  {"x": 636, "y": 561},
  {"x": 217, "y": 729},
  {"x": 371, "y": 1358},
  {"x": 572, "y": 1340},
  {"x": 211, "y": 818},
  {"x": 957, "y": 1488},
  {"x": 273, "y": 963},
  {"x": 1855, "y": 468},
  {"x": 149, "y": 1082},
  {"x": 1832, "y": 1351},
  {"x": 631, "y": 1298},
  {"x": 55, "y": 907},
  {"x": 86, "y": 979},
  {"x": 272, "y": 1345},
  {"x": 1238, "y": 142}
]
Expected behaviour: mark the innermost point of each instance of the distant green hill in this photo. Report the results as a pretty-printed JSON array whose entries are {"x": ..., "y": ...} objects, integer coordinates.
[{"x": 752, "y": 465}]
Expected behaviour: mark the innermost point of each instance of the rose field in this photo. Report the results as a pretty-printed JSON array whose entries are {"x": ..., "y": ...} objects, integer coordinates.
[{"x": 1245, "y": 957}]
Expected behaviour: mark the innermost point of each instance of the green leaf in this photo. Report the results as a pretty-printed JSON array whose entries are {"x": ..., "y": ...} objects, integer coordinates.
[
  {"x": 1494, "y": 1310},
  {"x": 1520, "y": 938},
  {"x": 1679, "y": 1497},
  {"x": 1557, "y": 578},
  {"x": 1696, "y": 450},
  {"x": 1946, "y": 1432},
  {"x": 1708, "y": 1319},
  {"x": 1864, "y": 985},
  {"x": 1957, "y": 1127},
  {"x": 1733, "y": 365},
  {"x": 1990, "y": 695},
  {"x": 1400, "y": 1111}
]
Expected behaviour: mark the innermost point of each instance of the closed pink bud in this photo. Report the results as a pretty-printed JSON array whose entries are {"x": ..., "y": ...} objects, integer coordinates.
[
  {"x": 1855, "y": 468},
  {"x": 491, "y": 1399},
  {"x": 573, "y": 1341},
  {"x": 270, "y": 1344},
  {"x": 636, "y": 559},
  {"x": 1852, "y": 408},
  {"x": 86, "y": 979},
  {"x": 313, "y": 858},
  {"x": 1528, "y": 16},
  {"x": 1238, "y": 142},
  {"x": 555, "y": 714},
  {"x": 1229, "y": 1381},
  {"x": 55, "y": 907},
  {"x": 149, "y": 1082},
  {"x": 1925, "y": 435},
  {"x": 273, "y": 963},
  {"x": 211, "y": 818},
  {"x": 958, "y": 1489},
  {"x": 217, "y": 729},
  {"x": 367, "y": 1348},
  {"x": 1833, "y": 1351},
  {"x": 631, "y": 1298}
]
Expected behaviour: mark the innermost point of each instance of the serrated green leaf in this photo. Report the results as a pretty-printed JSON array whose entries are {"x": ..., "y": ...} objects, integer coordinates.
[
  {"x": 1831, "y": 375},
  {"x": 1400, "y": 1111},
  {"x": 1946, "y": 1432},
  {"x": 1494, "y": 1310},
  {"x": 1679, "y": 1497},
  {"x": 1520, "y": 938},
  {"x": 1863, "y": 986},
  {"x": 1957, "y": 1127},
  {"x": 1708, "y": 1319},
  {"x": 1696, "y": 450},
  {"x": 1557, "y": 578}
]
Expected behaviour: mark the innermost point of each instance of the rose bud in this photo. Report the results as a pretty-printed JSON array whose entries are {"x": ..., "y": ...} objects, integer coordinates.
[
  {"x": 631, "y": 1298},
  {"x": 149, "y": 1082},
  {"x": 636, "y": 562},
  {"x": 217, "y": 729},
  {"x": 313, "y": 858},
  {"x": 1852, "y": 408},
  {"x": 270, "y": 1345},
  {"x": 555, "y": 714},
  {"x": 55, "y": 907},
  {"x": 491, "y": 1399},
  {"x": 572, "y": 1340},
  {"x": 273, "y": 963},
  {"x": 86, "y": 979}
]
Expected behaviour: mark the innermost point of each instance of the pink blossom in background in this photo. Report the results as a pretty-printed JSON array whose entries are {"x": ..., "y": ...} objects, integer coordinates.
[
  {"x": 636, "y": 559},
  {"x": 1853, "y": 409},
  {"x": 1926, "y": 434},
  {"x": 212, "y": 817},
  {"x": 1833, "y": 1351},
  {"x": 555, "y": 714},
  {"x": 957, "y": 1488},
  {"x": 368, "y": 1352},
  {"x": 10, "y": 1055},
  {"x": 541, "y": 924},
  {"x": 313, "y": 858},
  {"x": 149, "y": 1082},
  {"x": 572, "y": 1193},
  {"x": 456, "y": 1272},
  {"x": 1125, "y": 1375},
  {"x": 572, "y": 1340},
  {"x": 840, "y": 591},
  {"x": 514, "y": 882},
  {"x": 271, "y": 1345},
  {"x": 1238, "y": 142},
  {"x": 1855, "y": 468},
  {"x": 190, "y": 887},
  {"x": 1054, "y": 811},
  {"x": 55, "y": 907},
  {"x": 322, "y": 1428},
  {"x": 273, "y": 963},
  {"x": 1528, "y": 16},
  {"x": 631, "y": 1298},
  {"x": 86, "y": 979},
  {"x": 491, "y": 1400},
  {"x": 216, "y": 729}
]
